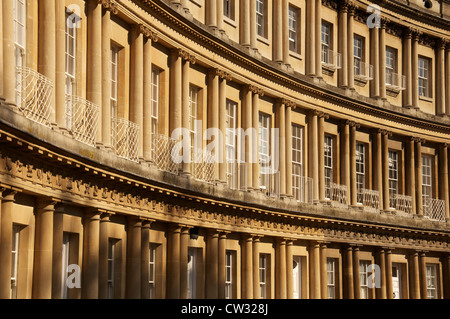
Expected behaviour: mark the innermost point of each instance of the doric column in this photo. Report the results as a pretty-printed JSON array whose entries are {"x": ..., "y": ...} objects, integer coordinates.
[
  {"x": 47, "y": 47},
  {"x": 382, "y": 57},
  {"x": 223, "y": 124},
  {"x": 1, "y": 50},
  {"x": 253, "y": 29},
  {"x": 212, "y": 264},
  {"x": 351, "y": 60},
  {"x": 407, "y": 67},
  {"x": 378, "y": 165},
  {"x": 280, "y": 268},
  {"x": 58, "y": 238},
  {"x": 389, "y": 286},
  {"x": 183, "y": 266},
  {"x": 91, "y": 249},
  {"x": 422, "y": 275},
  {"x": 247, "y": 124},
  {"x": 255, "y": 125},
  {"x": 9, "y": 72},
  {"x": 173, "y": 263},
  {"x": 289, "y": 270},
  {"x": 314, "y": 154},
  {"x": 381, "y": 292},
  {"x": 211, "y": 13},
  {"x": 94, "y": 56},
  {"x": 315, "y": 270},
  {"x": 60, "y": 65},
  {"x": 6, "y": 227},
  {"x": 105, "y": 114},
  {"x": 447, "y": 79},
  {"x": 321, "y": 159},
  {"x": 255, "y": 258},
  {"x": 43, "y": 251},
  {"x": 443, "y": 178},
  {"x": 247, "y": 267},
  {"x": 185, "y": 106},
  {"x": 375, "y": 61},
  {"x": 213, "y": 114},
  {"x": 385, "y": 154},
  {"x": 278, "y": 31},
  {"x": 414, "y": 278},
  {"x": 343, "y": 44},
  {"x": 353, "y": 186},
  {"x": 415, "y": 68},
  {"x": 356, "y": 281},
  {"x": 176, "y": 91},
  {"x": 281, "y": 124},
  {"x": 323, "y": 271},
  {"x": 440, "y": 77},
  {"x": 150, "y": 38},
  {"x": 219, "y": 13},
  {"x": 133, "y": 285},
  {"x": 311, "y": 37},
  {"x": 317, "y": 37},
  {"x": 348, "y": 273},
  {"x": 288, "y": 136},
  {"x": 410, "y": 180},
  {"x": 345, "y": 154},
  {"x": 103, "y": 256},
  {"x": 145, "y": 258},
  {"x": 285, "y": 22},
  {"x": 245, "y": 32},
  {"x": 222, "y": 256},
  {"x": 418, "y": 175}
]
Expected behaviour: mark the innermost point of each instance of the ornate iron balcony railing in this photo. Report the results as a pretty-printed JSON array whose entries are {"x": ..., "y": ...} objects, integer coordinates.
[
  {"x": 164, "y": 148},
  {"x": 434, "y": 209},
  {"x": 203, "y": 167},
  {"x": 125, "y": 139},
  {"x": 338, "y": 195},
  {"x": 370, "y": 200},
  {"x": 82, "y": 119},
  {"x": 401, "y": 203}
]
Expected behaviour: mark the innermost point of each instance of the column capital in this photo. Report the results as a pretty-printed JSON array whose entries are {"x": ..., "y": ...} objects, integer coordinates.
[
  {"x": 287, "y": 103},
  {"x": 443, "y": 43},
  {"x": 221, "y": 74},
  {"x": 110, "y": 5},
  {"x": 145, "y": 31},
  {"x": 385, "y": 132},
  {"x": 321, "y": 114},
  {"x": 418, "y": 139},
  {"x": 185, "y": 55},
  {"x": 347, "y": 6},
  {"x": 445, "y": 145},
  {"x": 7, "y": 194},
  {"x": 255, "y": 89},
  {"x": 352, "y": 124},
  {"x": 384, "y": 22}
]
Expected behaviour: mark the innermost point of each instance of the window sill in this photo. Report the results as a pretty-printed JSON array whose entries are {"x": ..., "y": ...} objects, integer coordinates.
[
  {"x": 263, "y": 40},
  {"x": 426, "y": 99},
  {"x": 295, "y": 55},
  {"x": 230, "y": 22}
]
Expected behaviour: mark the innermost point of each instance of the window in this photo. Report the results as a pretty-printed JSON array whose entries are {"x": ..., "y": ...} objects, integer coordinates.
[
  {"x": 363, "y": 279},
  {"x": 326, "y": 43},
  {"x": 261, "y": 17},
  {"x": 423, "y": 77},
  {"x": 228, "y": 9},
  {"x": 19, "y": 42},
  {"x": 71, "y": 34},
  {"x": 114, "y": 80},
  {"x": 263, "y": 275},
  {"x": 431, "y": 282},
  {"x": 360, "y": 171},
  {"x": 229, "y": 259},
  {"x": 294, "y": 14},
  {"x": 297, "y": 277},
  {"x": 155, "y": 99},
  {"x": 230, "y": 143},
  {"x": 193, "y": 103},
  {"x": 427, "y": 182},
  {"x": 192, "y": 272},
  {"x": 152, "y": 271},
  {"x": 264, "y": 148},
  {"x": 328, "y": 160},
  {"x": 65, "y": 264},
  {"x": 14, "y": 260},
  {"x": 111, "y": 267},
  {"x": 391, "y": 58},
  {"x": 393, "y": 177},
  {"x": 331, "y": 278},
  {"x": 358, "y": 44},
  {"x": 297, "y": 162}
]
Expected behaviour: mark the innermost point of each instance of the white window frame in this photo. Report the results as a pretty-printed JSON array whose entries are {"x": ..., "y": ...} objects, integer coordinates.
[
  {"x": 231, "y": 142},
  {"x": 328, "y": 163},
  {"x": 364, "y": 279},
  {"x": 111, "y": 266},
  {"x": 264, "y": 148},
  {"x": 114, "y": 80},
  {"x": 297, "y": 161},
  {"x": 331, "y": 278},
  {"x": 152, "y": 271},
  {"x": 423, "y": 76},
  {"x": 14, "y": 260},
  {"x": 71, "y": 41},
  {"x": 431, "y": 277},
  {"x": 263, "y": 275},
  {"x": 19, "y": 43},
  {"x": 229, "y": 275},
  {"x": 294, "y": 15},
  {"x": 358, "y": 53},
  {"x": 391, "y": 63},
  {"x": 427, "y": 179},
  {"x": 360, "y": 171},
  {"x": 261, "y": 18},
  {"x": 193, "y": 113},
  {"x": 156, "y": 73},
  {"x": 326, "y": 40},
  {"x": 393, "y": 176}
]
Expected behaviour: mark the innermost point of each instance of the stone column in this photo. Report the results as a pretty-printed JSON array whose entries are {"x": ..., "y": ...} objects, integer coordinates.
[
  {"x": 145, "y": 258},
  {"x": 147, "y": 96},
  {"x": 311, "y": 37},
  {"x": 185, "y": 110},
  {"x": 58, "y": 238},
  {"x": 183, "y": 255},
  {"x": 315, "y": 265},
  {"x": 133, "y": 285},
  {"x": 91, "y": 250},
  {"x": 321, "y": 159},
  {"x": 446, "y": 272},
  {"x": 247, "y": 123},
  {"x": 407, "y": 67},
  {"x": 278, "y": 31},
  {"x": 343, "y": 44},
  {"x": 375, "y": 61},
  {"x": 423, "y": 275},
  {"x": 219, "y": 13},
  {"x": 255, "y": 148},
  {"x": 410, "y": 172},
  {"x": 222, "y": 262},
  {"x": 173, "y": 263},
  {"x": 9, "y": 71},
  {"x": 105, "y": 114},
  {"x": 414, "y": 280},
  {"x": 353, "y": 185},
  {"x": 317, "y": 39},
  {"x": 447, "y": 79},
  {"x": 415, "y": 69},
  {"x": 253, "y": 30},
  {"x": 223, "y": 126},
  {"x": 389, "y": 287},
  {"x": 176, "y": 91},
  {"x": 378, "y": 165},
  {"x": 385, "y": 155},
  {"x": 211, "y": 13},
  {"x": 103, "y": 256},
  {"x": 289, "y": 270},
  {"x": 247, "y": 267},
  {"x": 60, "y": 65},
  {"x": 357, "y": 283},
  {"x": 212, "y": 264},
  {"x": 1, "y": 50},
  {"x": 351, "y": 60},
  {"x": 256, "y": 289},
  {"x": 418, "y": 175},
  {"x": 285, "y": 22},
  {"x": 381, "y": 292},
  {"x": 314, "y": 154},
  {"x": 245, "y": 22},
  {"x": 280, "y": 268},
  {"x": 213, "y": 113},
  {"x": 323, "y": 271},
  {"x": 382, "y": 61},
  {"x": 43, "y": 251},
  {"x": 281, "y": 124},
  {"x": 6, "y": 227},
  {"x": 444, "y": 193},
  {"x": 288, "y": 136},
  {"x": 440, "y": 77},
  {"x": 345, "y": 154},
  {"x": 94, "y": 56},
  {"x": 47, "y": 47},
  {"x": 348, "y": 273}
]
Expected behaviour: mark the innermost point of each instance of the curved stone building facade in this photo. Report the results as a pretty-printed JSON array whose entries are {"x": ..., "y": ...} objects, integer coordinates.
[{"x": 329, "y": 172}]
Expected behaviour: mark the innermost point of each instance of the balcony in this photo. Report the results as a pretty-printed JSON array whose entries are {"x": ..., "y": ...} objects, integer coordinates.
[
  {"x": 363, "y": 71},
  {"x": 125, "y": 139},
  {"x": 269, "y": 184},
  {"x": 203, "y": 167},
  {"x": 82, "y": 119},
  {"x": 370, "y": 199},
  {"x": 34, "y": 95},
  {"x": 434, "y": 209},
  {"x": 402, "y": 204},
  {"x": 395, "y": 83},
  {"x": 331, "y": 60},
  {"x": 237, "y": 175},
  {"x": 303, "y": 189},
  {"x": 163, "y": 147},
  {"x": 337, "y": 194}
]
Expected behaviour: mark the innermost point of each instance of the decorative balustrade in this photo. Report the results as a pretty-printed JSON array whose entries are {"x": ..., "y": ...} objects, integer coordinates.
[
  {"x": 395, "y": 81},
  {"x": 363, "y": 70},
  {"x": 125, "y": 139},
  {"x": 82, "y": 119},
  {"x": 34, "y": 95},
  {"x": 237, "y": 175},
  {"x": 370, "y": 200},
  {"x": 434, "y": 209},
  {"x": 203, "y": 167},
  {"x": 303, "y": 189},
  {"x": 402, "y": 204},
  {"x": 164, "y": 150},
  {"x": 331, "y": 59},
  {"x": 338, "y": 195}
]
